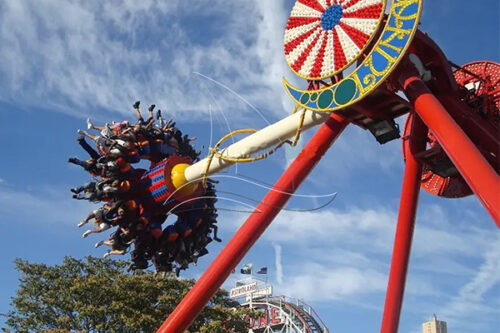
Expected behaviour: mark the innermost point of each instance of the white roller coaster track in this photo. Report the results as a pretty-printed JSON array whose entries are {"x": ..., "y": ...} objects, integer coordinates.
[{"x": 296, "y": 317}]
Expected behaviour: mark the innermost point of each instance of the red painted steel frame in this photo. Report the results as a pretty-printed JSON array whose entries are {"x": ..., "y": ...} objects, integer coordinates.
[
  {"x": 189, "y": 308},
  {"x": 404, "y": 230},
  {"x": 477, "y": 172}
]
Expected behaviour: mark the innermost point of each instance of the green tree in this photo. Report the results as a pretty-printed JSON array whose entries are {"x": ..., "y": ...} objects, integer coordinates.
[{"x": 97, "y": 295}]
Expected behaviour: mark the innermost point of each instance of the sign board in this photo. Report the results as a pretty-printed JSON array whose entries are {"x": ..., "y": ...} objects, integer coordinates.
[
  {"x": 268, "y": 291},
  {"x": 268, "y": 317},
  {"x": 243, "y": 290}
]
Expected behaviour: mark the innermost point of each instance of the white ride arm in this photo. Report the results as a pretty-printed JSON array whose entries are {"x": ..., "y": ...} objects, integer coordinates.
[{"x": 266, "y": 138}]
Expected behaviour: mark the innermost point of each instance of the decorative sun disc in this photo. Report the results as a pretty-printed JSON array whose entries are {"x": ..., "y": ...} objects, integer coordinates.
[{"x": 323, "y": 37}]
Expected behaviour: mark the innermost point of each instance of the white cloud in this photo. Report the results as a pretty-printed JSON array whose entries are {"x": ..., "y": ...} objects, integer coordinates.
[
  {"x": 322, "y": 283},
  {"x": 102, "y": 56},
  {"x": 470, "y": 301},
  {"x": 372, "y": 228},
  {"x": 85, "y": 57},
  {"x": 278, "y": 263},
  {"x": 344, "y": 254},
  {"x": 43, "y": 206}
]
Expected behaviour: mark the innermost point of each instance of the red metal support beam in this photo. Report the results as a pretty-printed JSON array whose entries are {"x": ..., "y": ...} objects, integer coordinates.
[
  {"x": 475, "y": 169},
  {"x": 404, "y": 230},
  {"x": 189, "y": 308},
  {"x": 479, "y": 129}
]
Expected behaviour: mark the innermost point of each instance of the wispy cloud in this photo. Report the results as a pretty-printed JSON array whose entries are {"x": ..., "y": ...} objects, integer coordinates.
[
  {"x": 103, "y": 56},
  {"x": 348, "y": 251},
  {"x": 326, "y": 283},
  {"x": 278, "y": 263},
  {"x": 470, "y": 301},
  {"x": 44, "y": 206},
  {"x": 98, "y": 57}
]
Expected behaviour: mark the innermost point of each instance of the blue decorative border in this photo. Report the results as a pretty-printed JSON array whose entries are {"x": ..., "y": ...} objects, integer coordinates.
[{"x": 396, "y": 37}]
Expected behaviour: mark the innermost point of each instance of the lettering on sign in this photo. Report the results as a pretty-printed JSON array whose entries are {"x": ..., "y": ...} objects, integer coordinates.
[
  {"x": 243, "y": 290},
  {"x": 269, "y": 317},
  {"x": 268, "y": 291}
]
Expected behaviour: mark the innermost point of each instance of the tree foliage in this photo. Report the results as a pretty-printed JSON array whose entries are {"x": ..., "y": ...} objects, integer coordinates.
[{"x": 97, "y": 295}]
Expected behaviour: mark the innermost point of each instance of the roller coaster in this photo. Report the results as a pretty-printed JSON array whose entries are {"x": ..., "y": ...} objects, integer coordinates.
[
  {"x": 287, "y": 315},
  {"x": 278, "y": 314}
]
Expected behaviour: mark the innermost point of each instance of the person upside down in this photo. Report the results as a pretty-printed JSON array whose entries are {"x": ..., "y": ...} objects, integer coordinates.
[{"x": 112, "y": 153}]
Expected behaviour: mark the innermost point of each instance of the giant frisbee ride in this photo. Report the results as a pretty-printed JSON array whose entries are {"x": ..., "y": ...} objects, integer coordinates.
[{"x": 356, "y": 56}]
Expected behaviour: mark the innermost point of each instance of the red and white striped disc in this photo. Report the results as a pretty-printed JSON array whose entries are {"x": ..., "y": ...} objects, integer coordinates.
[{"x": 323, "y": 37}]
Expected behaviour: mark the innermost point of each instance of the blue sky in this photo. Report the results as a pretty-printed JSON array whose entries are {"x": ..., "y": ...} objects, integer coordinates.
[{"x": 63, "y": 61}]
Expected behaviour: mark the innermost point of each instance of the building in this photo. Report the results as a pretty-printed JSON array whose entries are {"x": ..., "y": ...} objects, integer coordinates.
[{"x": 434, "y": 326}]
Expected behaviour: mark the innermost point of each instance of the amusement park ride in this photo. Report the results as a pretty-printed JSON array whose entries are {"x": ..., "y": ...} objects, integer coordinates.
[
  {"x": 365, "y": 65},
  {"x": 277, "y": 314}
]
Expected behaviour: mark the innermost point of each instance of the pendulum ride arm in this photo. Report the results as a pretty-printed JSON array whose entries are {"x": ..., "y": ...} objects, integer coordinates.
[{"x": 265, "y": 138}]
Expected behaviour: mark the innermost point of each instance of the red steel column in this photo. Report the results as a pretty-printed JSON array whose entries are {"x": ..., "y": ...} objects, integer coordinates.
[
  {"x": 478, "y": 173},
  {"x": 189, "y": 308},
  {"x": 404, "y": 230}
]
